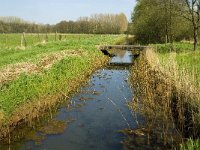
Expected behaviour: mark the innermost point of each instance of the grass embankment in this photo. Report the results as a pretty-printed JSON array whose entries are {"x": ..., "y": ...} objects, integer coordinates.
[
  {"x": 33, "y": 79},
  {"x": 167, "y": 90},
  {"x": 187, "y": 68},
  {"x": 186, "y": 60}
]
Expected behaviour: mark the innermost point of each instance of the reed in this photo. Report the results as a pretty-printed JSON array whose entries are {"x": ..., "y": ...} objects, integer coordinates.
[{"x": 166, "y": 93}]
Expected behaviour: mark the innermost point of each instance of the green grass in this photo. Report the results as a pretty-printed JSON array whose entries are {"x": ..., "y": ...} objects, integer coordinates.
[
  {"x": 178, "y": 47},
  {"x": 186, "y": 58},
  {"x": 191, "y": 62},
  {"x": 191, "y": 145},
  {"x": 75, "y": 42},
  {"x": 28, "y": 88},
  {"x": 14, "y": 40}
]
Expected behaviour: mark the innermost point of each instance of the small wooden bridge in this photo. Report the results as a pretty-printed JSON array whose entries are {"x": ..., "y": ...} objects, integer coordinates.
[
  {"x": 119, "y": 53},
  {"x": 122, "y": 47},
  {"x": 107, "y": 49}
]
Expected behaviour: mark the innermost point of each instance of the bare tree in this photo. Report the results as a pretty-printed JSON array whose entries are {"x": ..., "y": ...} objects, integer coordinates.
[{"x": 191, "y": 12}]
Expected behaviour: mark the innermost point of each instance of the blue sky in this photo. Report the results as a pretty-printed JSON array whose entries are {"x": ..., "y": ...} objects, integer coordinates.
[{"x": 53, "y": 11}]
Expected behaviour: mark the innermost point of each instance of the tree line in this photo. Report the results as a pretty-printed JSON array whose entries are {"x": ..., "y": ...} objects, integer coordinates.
[
  {"x": 95, "y": 24},
  {"x": 165, "y": 21}
]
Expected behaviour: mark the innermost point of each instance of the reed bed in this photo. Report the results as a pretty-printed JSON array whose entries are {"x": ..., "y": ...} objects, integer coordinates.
[{"x": 166, "y": 93}]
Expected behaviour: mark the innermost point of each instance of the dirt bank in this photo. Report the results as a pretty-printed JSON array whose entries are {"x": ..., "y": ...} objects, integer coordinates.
[{"x": 28, "y": 112}]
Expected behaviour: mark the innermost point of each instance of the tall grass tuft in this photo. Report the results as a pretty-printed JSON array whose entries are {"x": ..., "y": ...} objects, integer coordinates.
[
  {"x": 190, "y": 145},
  {"x": 167, "y": 95}
]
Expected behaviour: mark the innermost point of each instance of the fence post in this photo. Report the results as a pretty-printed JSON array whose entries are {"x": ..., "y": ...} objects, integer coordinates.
[
  {"x": 39, "y": 38},
  {"x": 6, "y": 39},
  {"x": 46, "y": 38},
  {"x": 56, "y": 36},
  {"x": 23, "y": 40},
  {"x": 60, "y": 37}
]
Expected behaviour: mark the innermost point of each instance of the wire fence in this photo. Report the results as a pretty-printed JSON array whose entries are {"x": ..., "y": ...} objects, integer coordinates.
[{"x": 28, "y": 39}]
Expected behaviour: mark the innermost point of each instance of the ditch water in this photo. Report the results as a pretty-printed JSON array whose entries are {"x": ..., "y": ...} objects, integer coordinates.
[{"x": 93, "y": 117}]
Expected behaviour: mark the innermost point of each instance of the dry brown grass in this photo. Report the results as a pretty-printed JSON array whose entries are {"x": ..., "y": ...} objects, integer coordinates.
[
  {"x": 11, "y": 72},
  {"x": 1, "y": 116},
  {"x": 165, "y": 96}
]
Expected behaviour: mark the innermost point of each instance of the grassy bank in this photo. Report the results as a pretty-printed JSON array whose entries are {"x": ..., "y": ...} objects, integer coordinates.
[
  {"x": 33, "y": 79},
  {"x": 166, "y": 91},
  {"x": 186, "y": 70},
  {"x": 186, "y": 60}
]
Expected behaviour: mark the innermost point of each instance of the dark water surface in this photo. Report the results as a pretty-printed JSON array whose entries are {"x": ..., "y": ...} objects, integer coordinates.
[{"x": 93, "y": 117}]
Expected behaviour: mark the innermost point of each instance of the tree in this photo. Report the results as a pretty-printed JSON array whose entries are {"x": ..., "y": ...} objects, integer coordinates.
[
  {"x": 149, "y": 22},
  {"x": 154, "y": 21},
  {"x": 123, "y": 22},
  {"x": 192, "y": 9},
  {"x": 96, "y": 24}
]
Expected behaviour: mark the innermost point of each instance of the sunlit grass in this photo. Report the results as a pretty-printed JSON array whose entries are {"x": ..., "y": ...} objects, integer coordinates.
[
  {"x": 31, "y": 87},
  {"x": 177, "y": 47},
  {"x": 31, "y": 53},
  {"x": 57, "y": 79},
  {"x": 186, "y": 59},
  {"x": 191, "y": 145}
]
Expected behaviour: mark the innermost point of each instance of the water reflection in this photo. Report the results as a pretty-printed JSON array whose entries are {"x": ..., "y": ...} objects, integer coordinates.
[
  {"x": 97, "y": 117},
  {"x": 93, "y": 117},
  {"x": 122, "y": 57}
]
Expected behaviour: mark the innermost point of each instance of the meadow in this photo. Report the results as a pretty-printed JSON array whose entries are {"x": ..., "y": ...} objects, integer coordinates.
[
  {"x": 186, "y": 60},
  {"x": 46, "y": 68}
]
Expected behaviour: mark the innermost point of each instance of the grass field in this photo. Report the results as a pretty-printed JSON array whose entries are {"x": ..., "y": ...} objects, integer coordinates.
[
  {"x": 45, "y": 69},
  {"x": 13, "y": 53},
  {"x": 15, "y": 40},
  {"x": 186, "y": 60}
]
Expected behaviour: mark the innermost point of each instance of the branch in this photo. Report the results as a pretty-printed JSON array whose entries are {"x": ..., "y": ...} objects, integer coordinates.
[
  {"x": 182, "y": 13},
  {"x": 185, "y": 17},
  {"x": 189, "y": 7}
]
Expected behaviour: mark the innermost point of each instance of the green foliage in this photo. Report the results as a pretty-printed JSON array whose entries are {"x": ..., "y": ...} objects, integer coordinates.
[
  {"x": 191, "y": 145},
  {"x": 96, "y": 24},
  {"x": 155, "y": 21}
]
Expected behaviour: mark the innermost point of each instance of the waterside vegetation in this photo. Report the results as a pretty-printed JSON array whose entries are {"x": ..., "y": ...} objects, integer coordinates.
[
  {"x": 167, "y": 75},
  {"x": 166, "y": 86},
  {"x": 35, "y": 78}
]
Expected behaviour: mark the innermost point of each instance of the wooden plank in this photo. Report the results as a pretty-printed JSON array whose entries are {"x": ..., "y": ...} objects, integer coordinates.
[
  {"x": 122, "y": 47},
  {"x": 119, "y": 64}
]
